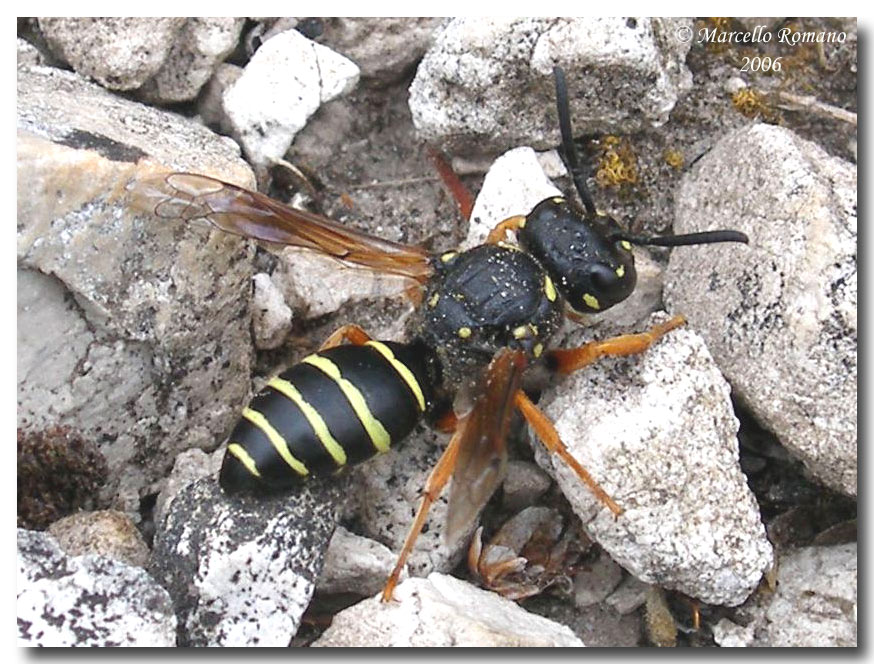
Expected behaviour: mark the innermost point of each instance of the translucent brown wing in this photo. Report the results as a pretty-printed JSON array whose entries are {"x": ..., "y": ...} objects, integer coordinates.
[
  {"x": 188, "y": 197},
  {"x": 482, "y": 454}
]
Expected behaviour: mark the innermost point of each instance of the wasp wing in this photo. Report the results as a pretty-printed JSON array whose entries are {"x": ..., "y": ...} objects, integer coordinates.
[
  {"x": 189, "y": 197},
  {"x": 482, "y": 454}
]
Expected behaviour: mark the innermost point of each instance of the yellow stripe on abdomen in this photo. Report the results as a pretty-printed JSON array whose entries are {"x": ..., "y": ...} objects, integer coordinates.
[
  {"x": 378, "y": 435},
  {"x": 276, "y": 440},
  {"x": 317, "y": 422},
  {"x": 237, "y": 450},
  {"x": 403, "y": 371}
]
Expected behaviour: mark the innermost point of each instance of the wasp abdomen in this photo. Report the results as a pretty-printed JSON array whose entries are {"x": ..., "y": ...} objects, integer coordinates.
[{"x": 336, "y": 407}]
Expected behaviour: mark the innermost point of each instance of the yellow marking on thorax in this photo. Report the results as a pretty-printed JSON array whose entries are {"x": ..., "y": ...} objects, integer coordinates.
[
  {"x": 464, "y": 332},
  {"x": 378, "y": 435},
  {"x": 403, "y": 371},
  {"x": 276, "y": 440},
  {"x": 591, "y": 301},
  {"x": 549, "y": 288},
  {"x": 448, "y": 256},
  {"x": 625, "y": 244},
  {"x": 238, "y": 451},
  {"x": 317, "y": 422},
  {"x": 620, "y": 271}
]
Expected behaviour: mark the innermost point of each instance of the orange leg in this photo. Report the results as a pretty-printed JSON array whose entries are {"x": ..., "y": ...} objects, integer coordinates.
[
  {"x": 447, "y": 422},
  {"x": 568, "y": 360},
  {"x": 453, "y": 183},
  {"x": 549, "y": 437},
  {"x": 499, "y": 232},
  {"x": 351, "y": 333},
  {"x": 437, "y": 480}
]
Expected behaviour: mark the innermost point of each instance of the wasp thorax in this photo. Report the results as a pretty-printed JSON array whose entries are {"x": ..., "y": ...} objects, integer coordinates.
[{"x": 591, "y": 269}]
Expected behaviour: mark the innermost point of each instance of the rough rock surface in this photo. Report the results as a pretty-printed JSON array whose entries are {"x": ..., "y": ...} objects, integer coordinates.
[
  {"x": 271, "y": 316},
  {"x": 815, "y": 604},
  {"x": 118, "y": 53},
  {"x": 386, "y": 492},
  {"x": 466, "y": 95},
  {"x": 289, "y": 77},
  {"x": 106, "y": 533},
  {"x": 87, "y": 600},
  {"x": 241, "y": 570},
  {"x": 657, "y": 431},
  {"x": 514, "y": 184},
  {"x": 779, "y": 316},
  {"x": 121, "y": 301},
  {"x": 384, "y": 48},
  {"x": 355, "y": 564},
  {"x": 443, "y": 611},
  {"x": 198, "y": 49}
]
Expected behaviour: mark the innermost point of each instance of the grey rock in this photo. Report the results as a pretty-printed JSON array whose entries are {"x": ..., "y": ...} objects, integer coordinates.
[
  {"x": 283, "y": 84},
  {"x": 28, "y": 54},
  {"x": 189, "y": 466},
  {"x": 628, "y": 596},
  {"x": 119, "y": 299},
  {"x": 355, "y": 564},
  {"x": 657, "y": 431},
  {"x": 466, "y": 94},
  {"x": 315, "y": 285},
  {"x": 271, "y": 316},
  {"x": 107, "y": 533},
  {"x": 386, "y": 493},
  {"x": 815, "y": 604},
  {"x": 596, "y": 581},
  {"x": 779, "y": 315},
  {"x": 241, "y": 570},
  {"x": 87, "y": 600},
  {"x": 523, "y": 484},
  {"x": 118, "y": 53},
  {"x": 198, "y": 49},
  {"x": 384, "y": 48},
  {"x": 514, "y": 184},
  {"x": 211, "y": 103},
  {"x": 443, "y": 611}
]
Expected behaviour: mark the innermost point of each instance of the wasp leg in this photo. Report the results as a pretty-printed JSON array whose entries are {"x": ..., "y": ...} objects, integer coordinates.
[
  {"x": 453, "y": 183},
  {"x": 568, "y": 360},
  {"x": 440, "y": 474},
  {"x": 351, "y": 333},
  {"x": 549, "y": 437},
  {"x": 499, "y": 232},
  {"x": 447, "y": 422}
]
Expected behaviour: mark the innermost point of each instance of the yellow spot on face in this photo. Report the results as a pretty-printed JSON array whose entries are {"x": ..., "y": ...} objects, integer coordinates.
[
  {"x": 620, "y": 271},
  {"x": 276, "y": 440},
  {"x": 625, "y": 244},
  {"x": 591, "y": 301},
  {"x": 549, "y": 288},
  {"x": 520, "y": 332},
  {"x": 378, "y": 435},
  {"x": 338, "y": 454},
  {"x": 402, "y": 369},
  {"x": 558, "y": 200},
  {"x": 538, "y": 350},
  {"x": 434, "y": 299},
  {"x": 448, "y": 256},
  {"x": 464, "y": 332},
  {"x": 237, "y": 450}
]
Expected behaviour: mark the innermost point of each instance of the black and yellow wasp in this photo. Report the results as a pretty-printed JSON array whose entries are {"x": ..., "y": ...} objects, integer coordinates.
[{"x": 487, "y": 314}]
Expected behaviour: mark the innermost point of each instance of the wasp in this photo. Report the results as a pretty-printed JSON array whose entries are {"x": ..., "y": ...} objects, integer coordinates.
[{"x": 486, "y": 315}]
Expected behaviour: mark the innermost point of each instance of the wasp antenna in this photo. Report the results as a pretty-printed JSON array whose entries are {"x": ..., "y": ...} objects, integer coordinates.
[
  {"x": 706, "y": 237},
  {"x": 567, "y": 140}
]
